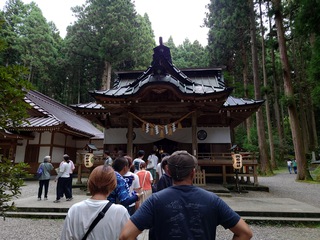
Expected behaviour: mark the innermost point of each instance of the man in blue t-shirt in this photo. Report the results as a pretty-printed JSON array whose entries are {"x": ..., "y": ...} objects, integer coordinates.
[{"x": 184, "y": 211}]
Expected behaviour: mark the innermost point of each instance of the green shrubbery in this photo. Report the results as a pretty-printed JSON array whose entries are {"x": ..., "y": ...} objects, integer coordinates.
[
  {"x": 316, "y": 174},
  {"x": 11, "y": 180}
]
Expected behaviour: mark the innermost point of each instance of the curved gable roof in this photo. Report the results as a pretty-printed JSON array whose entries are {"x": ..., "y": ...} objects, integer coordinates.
[
  {"x": 189, "y": 83},
  {"x": 46, "y": 113}
]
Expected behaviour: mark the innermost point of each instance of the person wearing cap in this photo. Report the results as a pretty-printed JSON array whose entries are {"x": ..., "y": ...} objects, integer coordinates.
[
  {"x": 102, "y": 181},
  {"x": 45, "y": 177},
  {"x": 184, "y": 211}
]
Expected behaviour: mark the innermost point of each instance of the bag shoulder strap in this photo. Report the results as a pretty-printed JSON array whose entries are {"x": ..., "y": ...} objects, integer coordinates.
[
  {"x": 45, "y": 166},
  {"x": 144, "y": 179},
  {"x": 97, "y": 219},
  {"x": 40, "y": 166}
]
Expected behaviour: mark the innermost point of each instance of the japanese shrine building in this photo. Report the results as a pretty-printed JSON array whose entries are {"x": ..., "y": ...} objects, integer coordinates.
[{"x": 172, "y": 109}]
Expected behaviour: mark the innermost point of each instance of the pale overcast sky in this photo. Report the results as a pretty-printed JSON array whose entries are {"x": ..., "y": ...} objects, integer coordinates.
[{"x": 177, "y": 18}]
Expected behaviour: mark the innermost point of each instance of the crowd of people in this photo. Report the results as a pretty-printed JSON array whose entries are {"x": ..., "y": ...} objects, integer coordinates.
[{"x": 129, "y": 196}]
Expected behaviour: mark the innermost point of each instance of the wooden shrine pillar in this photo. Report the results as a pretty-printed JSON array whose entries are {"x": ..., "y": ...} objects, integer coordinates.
[
  {"x": 194, "y": 135},
  {"x": 130, "y": 135}
]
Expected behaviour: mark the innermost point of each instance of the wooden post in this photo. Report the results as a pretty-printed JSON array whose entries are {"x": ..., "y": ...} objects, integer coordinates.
[
  {"x": 79, "y": 162},
  {"x": 79, "y": 173},
  {"x": 255, "y": 175},
  {"x": 194, "y": 135},
  {"x": 224, "y": 175},
  {"x": 130, "y": 135}
]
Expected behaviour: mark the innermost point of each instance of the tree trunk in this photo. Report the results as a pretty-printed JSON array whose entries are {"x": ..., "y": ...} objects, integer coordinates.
[
  {"x": 264, "y": 162},
  {"x": 106, "y": 76},
  {"x": 313, "y": 130},
  {"x": 303, "y": 172},
  {"x": 246, "y": 91},
  {"x": 266, "y": 95},
  {"x": 276, "y": 105},
  {"x": 299, "y": 66}
]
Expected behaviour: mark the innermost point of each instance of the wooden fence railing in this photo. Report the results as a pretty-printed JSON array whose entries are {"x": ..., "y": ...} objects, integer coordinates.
[{"x": 222, "y": 162}]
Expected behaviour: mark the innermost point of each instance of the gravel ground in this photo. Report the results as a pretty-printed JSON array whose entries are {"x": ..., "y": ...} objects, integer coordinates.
[{"x": 281, "y": 185}]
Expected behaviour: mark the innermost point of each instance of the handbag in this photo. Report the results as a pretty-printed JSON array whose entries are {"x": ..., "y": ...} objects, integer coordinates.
[
  {"x": 40, "y": 171},
  {"x": 97, "y": 219}
]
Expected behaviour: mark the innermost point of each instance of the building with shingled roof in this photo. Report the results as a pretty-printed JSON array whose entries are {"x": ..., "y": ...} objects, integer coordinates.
[
  {"x": 166, "y": 108},
  {"x": 51, "y": 129}
]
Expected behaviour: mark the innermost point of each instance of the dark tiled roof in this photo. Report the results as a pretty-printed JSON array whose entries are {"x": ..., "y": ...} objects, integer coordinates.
[
  {"x": 234, "y": 102},
  {"x": 194, "y": 82},
  {"x": 90, "y": 105},
  {"x": 230, "y": 102},
  {"x": 198, "y": 87},
  {"x": 46, "y": 113}
]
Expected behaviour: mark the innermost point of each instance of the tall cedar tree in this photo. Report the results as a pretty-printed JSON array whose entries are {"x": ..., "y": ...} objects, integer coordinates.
[
  {"x": 303, "y": 173},
  {"x": 264, "y": 159},
  {"x": 107, "y": 34}
]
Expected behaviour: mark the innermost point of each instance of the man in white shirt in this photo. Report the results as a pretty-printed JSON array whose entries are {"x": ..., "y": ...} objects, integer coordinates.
[
  {"x": 152, "y": 164},
  {"x": 107, "y": 159},
  {"x": 136, "y": 162},
  {"x": 63, "y": 181},
  {"x": 72, "y": 167}
]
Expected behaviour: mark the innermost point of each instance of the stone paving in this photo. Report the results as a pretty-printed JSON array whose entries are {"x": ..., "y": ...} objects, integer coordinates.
[{"x": 285, "y": 194}]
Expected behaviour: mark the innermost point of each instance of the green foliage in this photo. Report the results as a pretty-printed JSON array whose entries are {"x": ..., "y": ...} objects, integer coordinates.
[
  {"x": 241, "y": 138},
  {"x": 12, "y": 91},
  {"x": 307, "y": 17},
  {"x": 13, "y": 109},
  {"x": 32, "y": 43},
  {"x": 13, "y": 87},
  {"x": 189, "y": 55},
  {"x": 228, "y": 35},
  {"x": 252, "y": 145},
  {"x": 316, "y": 174},
  {"x": 105, "y": 32},
  {"x": 287, "y": 101},
  {"x": 11, "y": 180},
  {"x": 314, "y": 71},
  {"x": 144, "y": 43},
  {"x": 266, "y": 90}
]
